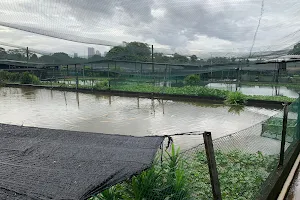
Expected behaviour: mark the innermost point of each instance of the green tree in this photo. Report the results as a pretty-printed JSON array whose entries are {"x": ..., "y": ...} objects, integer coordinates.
[
  {"x": 177, "y": 58},
  {"x": 159, "y": 57},
  {"x": 134, "y": 51},
  {"x": 117, "y": 52},
  {"x": 295, "y": 50},
  {"x": 61, "y": 57},
  {"x": 194, "y": 58},
  {"x": 34, "y": 58},
  {"x": 46, "y": 59},
  {"x": 3, "y": 53}
]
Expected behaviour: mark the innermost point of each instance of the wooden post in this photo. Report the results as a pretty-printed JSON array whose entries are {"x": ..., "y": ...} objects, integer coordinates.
[
  {"x": 284, "y": 127},
  {"x": 212, "y": 166}
]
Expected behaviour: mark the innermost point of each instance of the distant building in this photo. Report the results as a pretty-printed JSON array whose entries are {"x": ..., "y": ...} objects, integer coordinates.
[
  {"x": 98, "y": 53},
  {"x": 75, "y": 55},
  {"x": 91, "y": 52}
]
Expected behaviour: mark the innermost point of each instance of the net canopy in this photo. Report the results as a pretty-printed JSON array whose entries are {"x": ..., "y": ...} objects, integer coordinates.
[
  {"x": 244, "y": 28},
  {"x": 39, "y": 163}
]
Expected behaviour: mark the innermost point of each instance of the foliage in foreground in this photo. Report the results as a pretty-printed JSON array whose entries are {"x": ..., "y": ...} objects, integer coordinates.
[
  {"x": 160, "y": 182},
  {"x": 240, "y": 174}
]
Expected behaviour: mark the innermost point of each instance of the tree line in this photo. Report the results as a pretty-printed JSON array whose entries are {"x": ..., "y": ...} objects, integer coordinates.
[{"x": 133, "y": 51}]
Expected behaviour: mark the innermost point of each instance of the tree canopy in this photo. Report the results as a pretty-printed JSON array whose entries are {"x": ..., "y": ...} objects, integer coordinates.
[{"x": 295, "y": 50}]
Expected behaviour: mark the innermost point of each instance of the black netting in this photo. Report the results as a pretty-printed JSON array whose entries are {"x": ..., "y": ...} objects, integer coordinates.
[{"x": 39, "y": 163}]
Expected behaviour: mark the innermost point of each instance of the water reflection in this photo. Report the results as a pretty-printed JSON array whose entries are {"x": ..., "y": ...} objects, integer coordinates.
[
  {"x": 256, "y": 90},
  {"x": 28, "y": 93},
  {"x": 122, "y": 115},
  {"x": 236, "y": 109}
]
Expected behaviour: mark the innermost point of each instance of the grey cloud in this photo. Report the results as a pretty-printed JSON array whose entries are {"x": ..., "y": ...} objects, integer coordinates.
[{"x": 183, "y": 21}]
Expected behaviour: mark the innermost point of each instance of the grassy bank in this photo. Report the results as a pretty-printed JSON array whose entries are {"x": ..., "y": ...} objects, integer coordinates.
[
  {"x": 186, "y": 177},
  {"x": 231, "y": 98}
]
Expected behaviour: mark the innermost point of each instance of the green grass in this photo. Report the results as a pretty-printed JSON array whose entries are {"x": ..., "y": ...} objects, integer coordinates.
[
  {"x": 187, "y": 178},
  {"x": 271, "y": 98},
  {"x": 233, "y": 98}
]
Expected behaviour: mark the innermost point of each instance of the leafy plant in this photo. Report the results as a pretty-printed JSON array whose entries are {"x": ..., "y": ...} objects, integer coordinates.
[
  {"x": 112, "y": 193},
  {"x": 28, "y": 78},
  {"x": 235, "y": 98},
  {"x": 163, "y": 181},
  {"x": 192, "y": 79},
  {"x": 240, "y": 174},
  {"x": 101, "y": 85}
]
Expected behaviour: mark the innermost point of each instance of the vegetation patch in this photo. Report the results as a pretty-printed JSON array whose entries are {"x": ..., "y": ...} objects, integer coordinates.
[
  {"x": 235, "y": 98},
  {"x": 187, "y": 178},
  {"x": 28, "y": 78},
  {"x": 192, "y": 79}
]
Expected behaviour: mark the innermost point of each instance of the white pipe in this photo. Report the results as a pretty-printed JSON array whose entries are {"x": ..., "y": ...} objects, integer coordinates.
[{"x": 289, "y": 180}]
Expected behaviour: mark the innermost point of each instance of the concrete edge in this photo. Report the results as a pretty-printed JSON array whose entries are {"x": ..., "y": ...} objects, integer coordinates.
[{"x": 289, "y": 180}]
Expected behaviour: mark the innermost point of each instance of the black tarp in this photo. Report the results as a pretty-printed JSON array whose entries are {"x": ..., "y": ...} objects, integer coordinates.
[{"x": 39, "y": 163}]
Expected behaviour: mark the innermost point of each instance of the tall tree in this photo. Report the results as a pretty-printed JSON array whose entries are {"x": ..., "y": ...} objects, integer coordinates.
[
  {"x": 134, "y": 51},
  {"x": 34, "y": 58},
  {"x": 177, "y": 58},
  {"x": 3, "y": 53},
  {"x": 194, "y": 58},
  {"x": 295, "y": 50},
  {"x": 117, "y": 53}
]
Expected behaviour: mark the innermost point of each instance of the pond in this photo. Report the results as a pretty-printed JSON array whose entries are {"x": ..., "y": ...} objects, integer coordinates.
[
  {"x": 122, "y": 115},
  {"x": 256, "y": 90}
]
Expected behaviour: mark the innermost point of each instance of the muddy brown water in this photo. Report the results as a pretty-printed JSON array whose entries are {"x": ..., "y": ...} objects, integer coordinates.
[{"x": 123, "y": 115}]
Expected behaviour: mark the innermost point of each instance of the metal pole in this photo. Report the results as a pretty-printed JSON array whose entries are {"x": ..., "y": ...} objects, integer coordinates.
[
  {"x": 212, "y": 166},
  {"x": 284, "y": 127},
  {"x": 76, "y": 71},
  {"x": 153, "y": 65},
  {"x": 27, "y": 54},
  {"x": 298, "y": 119},
  {"x": 152, "y": 60}
]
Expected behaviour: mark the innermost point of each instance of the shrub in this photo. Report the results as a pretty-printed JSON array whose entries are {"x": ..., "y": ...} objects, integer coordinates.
[
  {"x": 235, "y": 98},
  {"x": 101, "y": 85},
  {"x": 28, "y": 78},
  {"x": 8, "y": 76},
  {"x": 193, "y": 79},
  {"x": 161, "y": 181}
]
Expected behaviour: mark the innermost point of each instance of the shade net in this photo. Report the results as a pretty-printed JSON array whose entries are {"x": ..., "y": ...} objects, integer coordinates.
[
  {"x": 39, "y": 163},
  {"x": 240, "y": 28},
  {"x": 245, "y": 160}
]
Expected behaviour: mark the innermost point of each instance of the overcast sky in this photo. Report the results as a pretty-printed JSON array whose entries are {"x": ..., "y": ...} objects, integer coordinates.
[{"x": 186, "y": 26}]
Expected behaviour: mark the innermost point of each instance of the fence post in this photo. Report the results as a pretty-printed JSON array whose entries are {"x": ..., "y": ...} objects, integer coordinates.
[
  {"x": 298, "y": 119},
  {"x": 284, "y": 127},
  {"x": 77, "y": 81},
  {"x": 212, "y": 166}
]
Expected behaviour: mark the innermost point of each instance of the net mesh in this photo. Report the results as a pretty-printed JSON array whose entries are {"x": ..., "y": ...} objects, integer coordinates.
[
  {"x": 244, "y": 159},
  {"x": 241, "y": 28}
]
